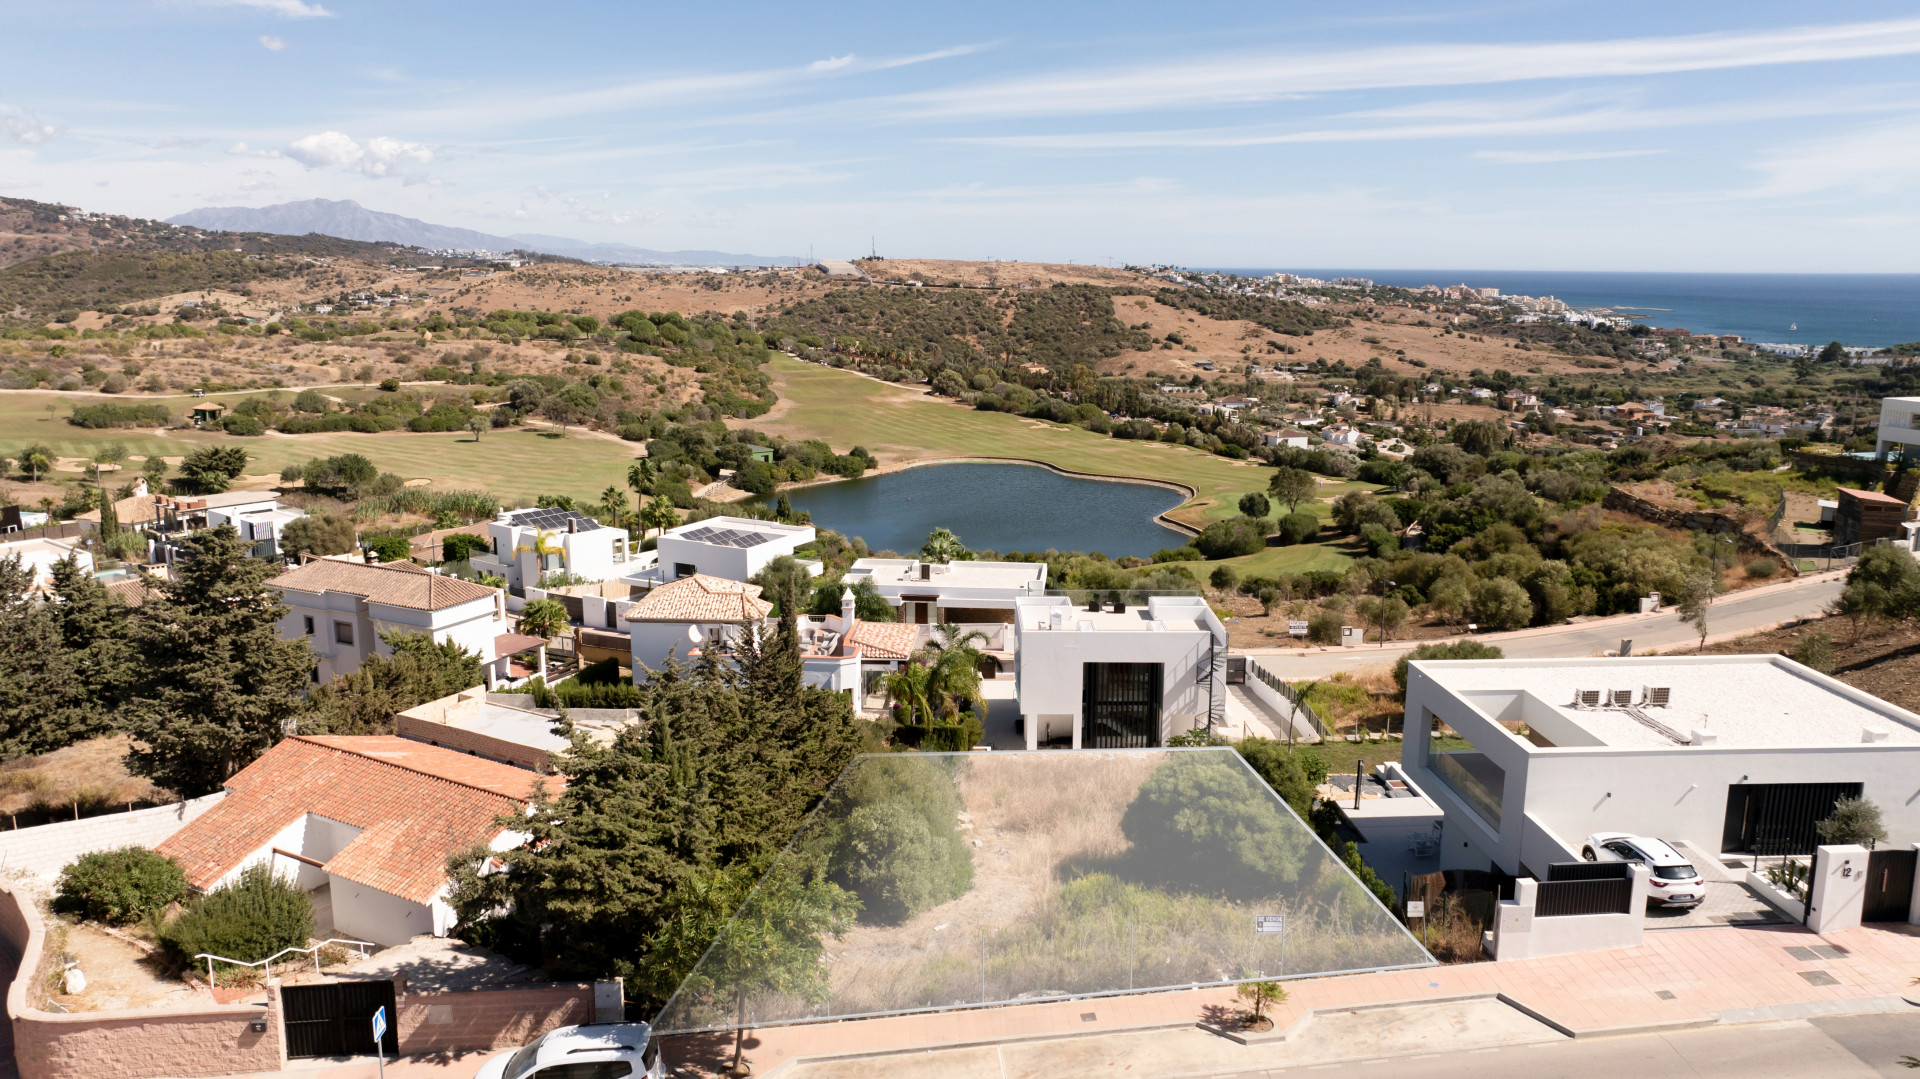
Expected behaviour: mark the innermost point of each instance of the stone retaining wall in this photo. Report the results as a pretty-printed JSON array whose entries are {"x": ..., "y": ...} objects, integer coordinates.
[
  {"x": 1627, "y": 502},
  {"x": 478, "y": 1020}
]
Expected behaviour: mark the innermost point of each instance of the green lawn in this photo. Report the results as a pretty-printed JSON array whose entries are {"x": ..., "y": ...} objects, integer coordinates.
[
  {"x": 511, "y": 463},
  {"x": 845, "y": 408}
]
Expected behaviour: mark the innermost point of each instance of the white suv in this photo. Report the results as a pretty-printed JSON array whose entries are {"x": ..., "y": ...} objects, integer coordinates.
[
  {"x": 598, "y": 1051},
  {"x": 1675, "y": 883}
]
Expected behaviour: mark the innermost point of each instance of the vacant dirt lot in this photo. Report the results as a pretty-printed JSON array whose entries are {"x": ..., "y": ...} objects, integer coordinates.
[{"x": 1882, "y": 661}]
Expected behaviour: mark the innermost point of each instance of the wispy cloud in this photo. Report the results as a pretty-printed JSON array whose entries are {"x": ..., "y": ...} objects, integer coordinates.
[
  {"x": 241, "y": 149},
  {"x": 379, "y": 157},
  {"x": 1552, "y": 157},
  {"x": 179, "y": 142},
  {"x": 26, "y": 128},
  {"x": 831, "y": 63},
  {"x": 272, "y": 43},
  {"x": 1881, "y": 158},
  {"x": 291, "y": 9},
  {"x": 1247, "y": 77}
]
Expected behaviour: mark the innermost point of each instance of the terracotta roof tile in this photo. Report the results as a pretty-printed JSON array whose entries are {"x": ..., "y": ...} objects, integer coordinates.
[
  {"x": 701, "y": 598},
  {"x": 132, "y": 510},
  {"x": 415, "y": 804},
  {"x": 396, "y": 584},
  {"x": 882, "y": 640}
]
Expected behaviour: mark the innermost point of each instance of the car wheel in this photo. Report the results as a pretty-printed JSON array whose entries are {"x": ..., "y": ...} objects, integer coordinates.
[{"x": 1587, "y": 853}]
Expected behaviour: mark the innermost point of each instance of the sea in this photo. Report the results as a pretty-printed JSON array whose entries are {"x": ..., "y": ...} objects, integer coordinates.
[{"x": 1868, "y": 310}]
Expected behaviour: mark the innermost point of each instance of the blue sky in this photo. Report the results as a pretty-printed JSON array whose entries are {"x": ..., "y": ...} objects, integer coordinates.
[{"x": 1623, "y": 136}]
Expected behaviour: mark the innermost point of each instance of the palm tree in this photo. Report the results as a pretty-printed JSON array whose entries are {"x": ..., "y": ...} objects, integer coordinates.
[
  {"x": 908, "y": 688},
  {"x": 613, "y": 502},
  {"x": 943, "y": 546},
  {"x": 640, "y": 478},
  {"x": 541, "y": 548},
  {"x": 953, "y": 669},
  {"x": 544, "y": 618},
  {"x": 36, "y": 463}
]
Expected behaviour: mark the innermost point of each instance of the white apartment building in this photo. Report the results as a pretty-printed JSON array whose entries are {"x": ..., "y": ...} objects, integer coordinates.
[
  {"x": 930, "y": 593},
  {"x": 734, "y": 548},
  {"x": 531, "y": 543},
  {"x": 1109, "y": 676},
  {"x": 1899, "y": 427},
  {"x": 1733, "y": 755},
  {"x": 341, "y": 608}
]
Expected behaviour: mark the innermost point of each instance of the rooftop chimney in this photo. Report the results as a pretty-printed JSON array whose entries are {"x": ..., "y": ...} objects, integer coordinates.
[{"x": 847, "y": 607}]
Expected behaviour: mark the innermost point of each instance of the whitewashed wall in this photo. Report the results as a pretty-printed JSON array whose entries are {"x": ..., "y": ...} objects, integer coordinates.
[{"x": 45, "y": 849}]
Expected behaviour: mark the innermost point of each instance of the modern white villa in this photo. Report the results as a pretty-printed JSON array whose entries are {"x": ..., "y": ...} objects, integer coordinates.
[
  {"x": 37, "y": 556},
  {"x": 1899, "y": 427},
  {"x": 733, "y": 548},
  {"x": 1734, "y": 755},
  {"x": 930, "y": 593},
  {"x": 529, "y": 544},
  {"x": 1102, "y": 675},
  {"x": 341, "y": 608}
]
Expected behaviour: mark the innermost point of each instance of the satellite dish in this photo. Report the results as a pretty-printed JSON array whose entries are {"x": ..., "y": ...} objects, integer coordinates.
[{"x": 694, "y": 634}]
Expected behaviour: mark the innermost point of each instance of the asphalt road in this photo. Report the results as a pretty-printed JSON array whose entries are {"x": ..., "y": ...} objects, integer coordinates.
[
  {"x": 1841, "y": 1047},
  {"x": 1738, "y": 613}
]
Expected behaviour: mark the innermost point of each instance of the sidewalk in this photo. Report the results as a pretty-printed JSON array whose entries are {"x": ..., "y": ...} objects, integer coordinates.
[{"x": 1674, "y": 979}]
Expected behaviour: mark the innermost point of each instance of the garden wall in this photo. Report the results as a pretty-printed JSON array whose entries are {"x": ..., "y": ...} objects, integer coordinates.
[
  {"x": 214, "y": 1039},
  {"x": 44, "y": 849},
  {"x": 477, "y": 1020},
  {"x": 1707, "y": 520}
]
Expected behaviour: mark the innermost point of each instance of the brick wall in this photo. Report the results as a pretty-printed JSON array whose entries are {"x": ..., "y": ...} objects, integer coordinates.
[
  {"x": 46, "y": 848},
  {"x": 201, "y": 1041},
  {"x": 482, "y": 1019}
]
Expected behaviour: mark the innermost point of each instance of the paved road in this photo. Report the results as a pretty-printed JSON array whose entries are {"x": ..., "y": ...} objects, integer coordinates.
[
  {"x": 1738, "y": 613},
  {"x": 1846, "y": 1047}
]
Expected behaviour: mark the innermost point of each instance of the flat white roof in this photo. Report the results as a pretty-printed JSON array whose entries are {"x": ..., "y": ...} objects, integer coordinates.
[
  {"x": 1167, "y": 615},
  {"x": 903, "y": 572},
  {"x": 737, "y": 532},
  {"x": 1742, "y": 701}
]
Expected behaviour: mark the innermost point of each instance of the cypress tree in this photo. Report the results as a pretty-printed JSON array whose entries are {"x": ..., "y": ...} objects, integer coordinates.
[
  {"x": 421, "y": 669},
  {"x": 92, "y": 623},
  {"x": 35, "y": 667},
  {"x": 217, "y": 686}
]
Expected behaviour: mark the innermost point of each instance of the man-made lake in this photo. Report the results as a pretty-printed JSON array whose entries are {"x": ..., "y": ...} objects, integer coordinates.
[{"x": 1001, "y": 507}]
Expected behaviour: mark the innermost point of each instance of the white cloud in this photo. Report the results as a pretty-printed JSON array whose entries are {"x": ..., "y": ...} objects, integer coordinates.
[
  {"x": 1878, "y": 159},
  {"x": 241, "y": 149},
  {"x": 24, "y": 127},
  {"x": 1244, "y": 77},
  {"x": 380, "y": 157},
  {"x": 291, "y": 9},
  {"x": 832, "y": 63},
  {"x": 272, "y": 43},
  {"x": 179, "y": 142},
  {"x": 1551, "y": 157}
]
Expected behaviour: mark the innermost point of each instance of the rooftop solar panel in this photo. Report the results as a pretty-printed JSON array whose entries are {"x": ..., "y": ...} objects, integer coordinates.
[
  {"x": 551, "y": 519},
  {"x": 727, "y": 537}
]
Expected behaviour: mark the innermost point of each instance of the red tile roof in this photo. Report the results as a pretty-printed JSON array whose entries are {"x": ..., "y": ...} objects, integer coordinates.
[
  {"x": 701, "y": 598},
  {"x": 397, "y": 584},
  {"x": 882, "y": 640},
  {"x": 415, "y": 804}
]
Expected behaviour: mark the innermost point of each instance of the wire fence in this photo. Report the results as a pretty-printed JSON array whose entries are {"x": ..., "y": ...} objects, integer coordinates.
[{"x": 1822, "y": 556}]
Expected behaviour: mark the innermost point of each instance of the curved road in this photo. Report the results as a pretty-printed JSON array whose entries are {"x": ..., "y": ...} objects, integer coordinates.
[{"x": 1730, "y": 616}]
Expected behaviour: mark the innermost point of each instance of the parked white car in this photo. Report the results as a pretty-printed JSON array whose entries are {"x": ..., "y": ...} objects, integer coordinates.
[
  {"x": 598, "y": 1051},
  {"x": 1675, "y": 883}
]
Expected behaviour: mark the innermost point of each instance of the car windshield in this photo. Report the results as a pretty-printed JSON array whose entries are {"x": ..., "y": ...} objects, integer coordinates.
[
  {"x": 1673, "y": 872},
  {"x": 522, "y": 1061}
]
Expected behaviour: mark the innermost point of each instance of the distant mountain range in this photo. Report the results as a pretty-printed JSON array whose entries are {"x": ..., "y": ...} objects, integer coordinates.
[{"x": 349, "y": 220}]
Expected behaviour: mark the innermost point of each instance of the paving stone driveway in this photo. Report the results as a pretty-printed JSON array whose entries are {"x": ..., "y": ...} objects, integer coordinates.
[{"x": 1726, "y": 903}]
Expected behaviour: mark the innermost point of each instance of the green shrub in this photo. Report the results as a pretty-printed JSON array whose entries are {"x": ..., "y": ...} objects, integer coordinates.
[
  {"x": 1455, "y": 650},
  {"x": 1202, "y": 822},
  {"x": 1298, "y": 527},
  {"x": 119, "y": 887},
  {"x": 460, "y": 546},
  {"x": 1762, "y": 568},
  {"x": 247, "y": 920},
  {"x": 390, "y": 548},
  {"x": 390, "y": 385},
  {"x": 1324, "y": 627},
  {"x": 1282, "y": 770},
  {"x": 1815, "y": 650},
  {"x": 1230, "y": 539},
  {"x": 899, "y": 848},
  {"x": 953, "y": 737}
]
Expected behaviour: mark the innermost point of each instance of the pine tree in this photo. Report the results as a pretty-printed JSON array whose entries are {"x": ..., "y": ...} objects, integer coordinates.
[
  {"x": 34, "y": 665},
  {"x": 92, "y": 623},
  {"x": 217, "y": 685},
  {"x": 421, "y": 669}
]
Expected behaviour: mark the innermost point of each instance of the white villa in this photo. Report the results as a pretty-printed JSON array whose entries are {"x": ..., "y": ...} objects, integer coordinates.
[
  {"x": 734, "y": 548},
  {"x": 1733, "y": 756},
  {"x": 531, "y": 543},
  {"x": 1899, "y": 427},
  {"x": 1101, "y": 676},
  {"x": 341, "y": 608},
  {"x": 38, "y": 556},
  {"x": 929, "y": 593}
]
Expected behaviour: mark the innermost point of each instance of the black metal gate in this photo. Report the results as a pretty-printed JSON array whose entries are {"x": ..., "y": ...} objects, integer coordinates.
[
  {"x": 1779, "y": 818},
  {"x": 1120, "y": 703},
  {"x": 336, "y": 1019},
  {"x": 1889, "y": 885}
]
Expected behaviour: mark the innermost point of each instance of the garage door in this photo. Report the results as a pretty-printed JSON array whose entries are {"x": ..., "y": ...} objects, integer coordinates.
[{"x": 336, "y": 1019}]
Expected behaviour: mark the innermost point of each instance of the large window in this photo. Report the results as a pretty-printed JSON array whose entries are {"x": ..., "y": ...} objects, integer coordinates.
[
  {"x": 1120, "y": 705},
  {"x": 343, "y": 632},
  {"x": 1469, "y": 774}
]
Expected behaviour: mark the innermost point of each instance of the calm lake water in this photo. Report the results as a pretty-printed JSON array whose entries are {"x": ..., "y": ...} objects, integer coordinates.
[{"x": 994, "y": 506}]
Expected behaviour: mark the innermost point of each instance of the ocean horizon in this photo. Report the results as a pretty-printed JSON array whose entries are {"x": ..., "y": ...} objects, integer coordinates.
[{"x": 1872, "y": 310}]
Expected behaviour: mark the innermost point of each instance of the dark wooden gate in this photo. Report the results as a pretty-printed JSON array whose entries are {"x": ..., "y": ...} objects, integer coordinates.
[
  {"x": 1889, "y": 885},
  {"x": 336, "y": 1019},
  {"x": 1779, "y": 818}
]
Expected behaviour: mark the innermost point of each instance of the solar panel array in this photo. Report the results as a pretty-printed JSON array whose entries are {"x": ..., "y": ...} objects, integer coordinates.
[
  {"x": 727, "y": 537},
  {"x": 552, "y": 520}
]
